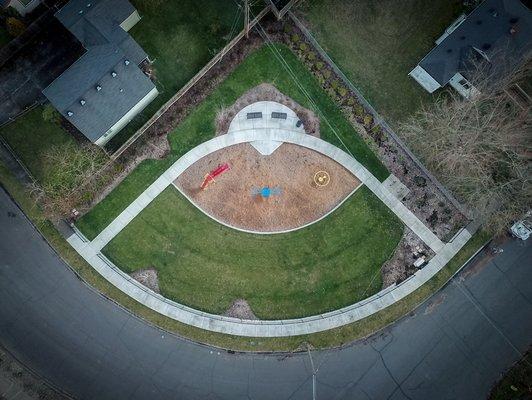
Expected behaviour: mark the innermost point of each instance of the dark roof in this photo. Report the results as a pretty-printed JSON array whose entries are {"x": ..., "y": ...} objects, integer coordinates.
[
  {"x": 488, "y": 29},
  {"x": 96, "y": 24}
]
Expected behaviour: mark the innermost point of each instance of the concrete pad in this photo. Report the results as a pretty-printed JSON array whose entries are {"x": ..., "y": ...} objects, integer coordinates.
[{"x": 266, "y": 147}]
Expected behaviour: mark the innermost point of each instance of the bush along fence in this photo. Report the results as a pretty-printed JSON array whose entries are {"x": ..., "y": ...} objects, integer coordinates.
[{"x": 428, "y": 198}]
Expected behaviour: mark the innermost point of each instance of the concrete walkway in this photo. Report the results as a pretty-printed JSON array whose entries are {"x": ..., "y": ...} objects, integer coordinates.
[
  {"x": 248, "y": 132},
  {"x": 258, "y": 328},
  {"x": 276, "y": 135},
  {"x": 454, "y": 346}
]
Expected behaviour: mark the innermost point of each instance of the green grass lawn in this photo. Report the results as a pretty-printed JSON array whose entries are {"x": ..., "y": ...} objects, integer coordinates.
[
  {"x": 181, "y": 36},
  {"x": 376, "y": 43},
  {"x": 259, "y": 67},
  {"x": 203, "y": 264},
  {"x": 30, "y": 136}
]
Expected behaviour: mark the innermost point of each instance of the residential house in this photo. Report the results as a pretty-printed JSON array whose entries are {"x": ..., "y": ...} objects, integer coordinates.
[
  {"x": 497, "y": 31},
  {"x": 105, "y": 88},
  {"x": 22, "y": 6}
]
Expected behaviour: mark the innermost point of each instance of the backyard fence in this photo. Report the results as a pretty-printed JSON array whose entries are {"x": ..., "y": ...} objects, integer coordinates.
[{"x": 188, "y": 85}]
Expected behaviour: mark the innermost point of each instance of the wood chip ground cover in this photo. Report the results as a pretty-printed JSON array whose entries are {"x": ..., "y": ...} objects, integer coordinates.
[{"x": 290, "y": 168}]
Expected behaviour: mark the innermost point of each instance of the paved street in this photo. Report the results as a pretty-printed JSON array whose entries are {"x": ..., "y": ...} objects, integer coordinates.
[{"x": 453, "y": 347}]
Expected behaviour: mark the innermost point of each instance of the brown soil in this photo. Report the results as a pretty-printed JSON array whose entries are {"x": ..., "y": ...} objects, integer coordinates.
[
  {"x": 240, "y": 309},
  {"x": 435, "y": 303},
  {"x": 290, "y": 167},
  {"x": 148, "y": 277},
  {"x": 267, "y": 92}
]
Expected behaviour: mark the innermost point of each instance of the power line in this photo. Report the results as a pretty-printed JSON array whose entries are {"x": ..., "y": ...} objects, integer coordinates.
[{"x": 287, "y": 67}]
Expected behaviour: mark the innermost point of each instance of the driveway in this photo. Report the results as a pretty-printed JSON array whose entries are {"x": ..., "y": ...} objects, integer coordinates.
[
  {"x": 34, "y": 67},
  {"x": 453, "y": 347}
]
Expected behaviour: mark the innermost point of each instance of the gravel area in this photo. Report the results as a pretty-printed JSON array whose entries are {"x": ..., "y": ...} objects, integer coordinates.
[
  {"x": 291, "y": 168},
  {"x": 148, "y": 277},
  {"x": 240, "y": 309}
]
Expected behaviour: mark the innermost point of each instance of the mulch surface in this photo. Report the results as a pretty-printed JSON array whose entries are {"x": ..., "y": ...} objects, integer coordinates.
[{"x": 291, "y": 167}]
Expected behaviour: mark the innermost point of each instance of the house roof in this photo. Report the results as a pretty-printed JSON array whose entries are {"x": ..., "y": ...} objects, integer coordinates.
[
  {"x": 109, "y": 63},
  {"x": 488, "y": 29}
]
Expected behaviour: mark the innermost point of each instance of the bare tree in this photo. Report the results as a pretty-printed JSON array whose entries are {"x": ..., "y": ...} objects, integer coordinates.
[
  {"x": 480, "y": 148},
  {"x": 69, "y": 166}
]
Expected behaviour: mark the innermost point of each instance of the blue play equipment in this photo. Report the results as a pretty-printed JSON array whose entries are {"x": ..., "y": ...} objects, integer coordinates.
[{"x": 266, "y": 191}]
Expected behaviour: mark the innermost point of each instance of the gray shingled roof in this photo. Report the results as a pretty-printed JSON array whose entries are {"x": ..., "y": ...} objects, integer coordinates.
[
  {"x": 108, "y": 47},
  {"x": 488, "y": 29}
]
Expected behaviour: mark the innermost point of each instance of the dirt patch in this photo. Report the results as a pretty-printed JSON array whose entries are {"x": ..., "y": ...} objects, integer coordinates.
[
  {"x": 481, "y": 262},
  {"x": 401, "y": 265},
  {"x": 435, "y": 303},
  {"x": 266, "y": 92},
  {"x": 232, "y": 199},
  {"x": 148, "y": 277},
  {"x": 240, "y": 309}
]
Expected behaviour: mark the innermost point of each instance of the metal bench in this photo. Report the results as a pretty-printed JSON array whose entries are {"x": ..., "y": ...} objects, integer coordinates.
[
  {"x": 279, "y": 115},
  {"x": 254, "y": 115}
]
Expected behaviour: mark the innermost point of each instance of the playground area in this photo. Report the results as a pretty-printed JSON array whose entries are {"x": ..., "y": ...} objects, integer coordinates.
[{"x": 288, "y": 189}]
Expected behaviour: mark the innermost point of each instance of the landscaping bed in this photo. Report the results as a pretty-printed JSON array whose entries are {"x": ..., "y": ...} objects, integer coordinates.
[{"x": 205, "y": 265}]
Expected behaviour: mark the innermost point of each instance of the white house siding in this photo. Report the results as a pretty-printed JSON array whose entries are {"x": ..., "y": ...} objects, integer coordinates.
[
  {"x": 463, "y": 86},
  {"x": 451, "y": 28},
  {"x": 424, "y": 79},
  {"x": 127, "y": 117},
  {"x": 130, "y": 21},
  {"x": 22, "y": 7}
]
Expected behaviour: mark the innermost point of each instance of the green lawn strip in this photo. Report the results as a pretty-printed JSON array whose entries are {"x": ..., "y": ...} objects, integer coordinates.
[
  {"x": 259, "y": 67},
  {"x": 331, "y": 338},
  {"x": 205, "y": 265},
  {"x": 30, "y": 136},
  {"x": 181, "y": 36},
  {"x": 377, "y": 43}
]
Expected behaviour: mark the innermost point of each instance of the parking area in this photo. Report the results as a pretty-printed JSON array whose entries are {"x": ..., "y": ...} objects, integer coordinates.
[{"x": 34, "y": 67}]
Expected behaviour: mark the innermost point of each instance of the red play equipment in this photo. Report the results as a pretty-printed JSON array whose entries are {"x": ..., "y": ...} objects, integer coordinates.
[{"x": 213, "y": 174}]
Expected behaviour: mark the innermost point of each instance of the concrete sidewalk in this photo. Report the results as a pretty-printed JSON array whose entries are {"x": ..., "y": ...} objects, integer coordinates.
[
  {"x": 265, "y": 135},
  {"x": 258, "y": 328},
  {"x": 91, "y": 251}
]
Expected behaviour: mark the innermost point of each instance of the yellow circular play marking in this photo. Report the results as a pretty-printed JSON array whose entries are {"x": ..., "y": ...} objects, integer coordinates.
[{"x": 322, "y": 178}]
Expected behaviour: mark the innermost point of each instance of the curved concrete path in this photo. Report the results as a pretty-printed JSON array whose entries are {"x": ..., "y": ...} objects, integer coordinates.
[{"x": 91, "y": 251}]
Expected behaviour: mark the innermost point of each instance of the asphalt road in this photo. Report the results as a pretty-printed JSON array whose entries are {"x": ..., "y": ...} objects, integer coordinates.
[{"x": 453, "y": 347}]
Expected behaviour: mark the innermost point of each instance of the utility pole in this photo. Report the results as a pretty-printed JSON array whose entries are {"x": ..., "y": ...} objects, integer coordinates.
[
  {"x": 246, "y": 17},
  {"x": 314, "y": 372}
]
